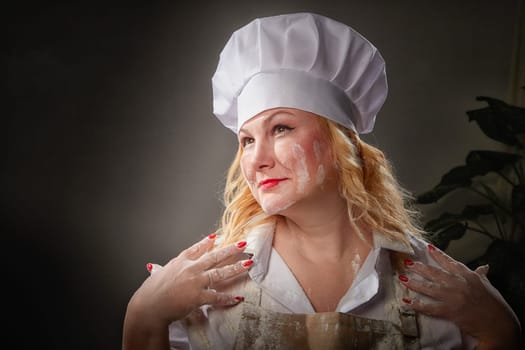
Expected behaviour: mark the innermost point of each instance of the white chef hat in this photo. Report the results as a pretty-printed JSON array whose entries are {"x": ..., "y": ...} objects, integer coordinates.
[{"x": 304, "y": 61}]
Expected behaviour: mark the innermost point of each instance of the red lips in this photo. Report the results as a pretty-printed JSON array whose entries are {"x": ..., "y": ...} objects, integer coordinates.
[{"x": 269, "y": 183}]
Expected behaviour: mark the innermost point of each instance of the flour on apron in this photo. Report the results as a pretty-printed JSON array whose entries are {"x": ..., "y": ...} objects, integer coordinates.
[{"x": 251, "y": 326}]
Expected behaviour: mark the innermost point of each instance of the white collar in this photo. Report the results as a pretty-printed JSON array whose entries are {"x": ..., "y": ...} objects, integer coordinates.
[{"x": 259, "y": 244}]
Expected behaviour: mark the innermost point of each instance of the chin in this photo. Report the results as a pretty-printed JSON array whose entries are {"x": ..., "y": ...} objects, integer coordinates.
[{"x": 276, "y": 208}]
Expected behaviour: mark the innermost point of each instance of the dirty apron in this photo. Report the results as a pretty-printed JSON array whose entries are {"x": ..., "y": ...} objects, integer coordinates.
[
  {"x": 254, "y": 327},
  {"x": 265, "y": 329}
]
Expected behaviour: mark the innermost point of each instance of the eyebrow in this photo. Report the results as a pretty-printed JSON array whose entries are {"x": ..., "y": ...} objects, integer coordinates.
[{"x": 270, "y": 117}]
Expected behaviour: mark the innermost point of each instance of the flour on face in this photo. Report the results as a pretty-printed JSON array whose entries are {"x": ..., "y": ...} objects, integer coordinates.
[
  {"x": 271, "y": 208},
  {"x": 321, "y": 172},
  {"x": 317, "y": 150},
  {"x": 303, "y": 176}
]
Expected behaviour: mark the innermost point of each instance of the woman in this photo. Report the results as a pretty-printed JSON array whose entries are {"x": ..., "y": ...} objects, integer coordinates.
[{"x": 317, "y": 249}]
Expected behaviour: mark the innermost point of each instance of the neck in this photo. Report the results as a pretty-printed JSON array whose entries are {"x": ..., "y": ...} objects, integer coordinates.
[{"x": 324, "y": 233}]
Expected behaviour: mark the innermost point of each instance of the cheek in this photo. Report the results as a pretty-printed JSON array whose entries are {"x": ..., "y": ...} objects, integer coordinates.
[{"x": 247, "y": 171}]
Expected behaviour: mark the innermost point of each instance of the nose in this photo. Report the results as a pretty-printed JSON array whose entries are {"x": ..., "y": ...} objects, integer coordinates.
[{"x": 263, "y": 156}]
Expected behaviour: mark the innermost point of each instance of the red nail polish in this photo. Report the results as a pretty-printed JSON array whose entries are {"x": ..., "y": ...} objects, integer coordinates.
[
  {"x": 149, "y": 267},
  {"x": 247, "y": 263},
  {"x": 241, "y": 244},
  {"x": 407, "y": 301},
  {"x": 408, "y": 262},
  {"x": 212, "y": 236},
  {"x": 239, "y": 298},
  {"x": 431, "y": 247},
  {"x": 403, "y": 278}
]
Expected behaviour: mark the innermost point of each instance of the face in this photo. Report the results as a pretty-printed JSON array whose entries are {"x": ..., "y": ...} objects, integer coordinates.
[{"x": 286, "y": 159}]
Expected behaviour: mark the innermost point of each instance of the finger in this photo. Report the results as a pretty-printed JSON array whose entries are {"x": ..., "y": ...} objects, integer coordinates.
[
  {"x": 482, "y": 270},
  {"x": 212, "y": 297},
  {"x": 213, "y": 258},
  {"x": 446, "y": 262},
  {"x": 152, "y": 268},
  {"x": 223, "y": 273},
  {"x": 431, "y": 309},
  {"x": 429, "y": 272},
  {"x": 199, "y": 248},
  {"x": 429, "y": 288}
]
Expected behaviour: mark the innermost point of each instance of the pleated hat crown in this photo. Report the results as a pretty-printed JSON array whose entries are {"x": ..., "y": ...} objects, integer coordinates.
[{"x": 304, "y": 61}]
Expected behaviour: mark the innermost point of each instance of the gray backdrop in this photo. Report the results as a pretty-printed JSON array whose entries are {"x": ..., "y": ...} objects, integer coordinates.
[{"x": 114, "y": 158}]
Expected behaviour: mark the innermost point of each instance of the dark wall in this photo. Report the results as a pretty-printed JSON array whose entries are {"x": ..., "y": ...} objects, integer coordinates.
[{"x": 114, "y": 158}]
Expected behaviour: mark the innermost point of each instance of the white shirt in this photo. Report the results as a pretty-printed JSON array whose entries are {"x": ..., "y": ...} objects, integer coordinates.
[{"x": 281, "y": 292}]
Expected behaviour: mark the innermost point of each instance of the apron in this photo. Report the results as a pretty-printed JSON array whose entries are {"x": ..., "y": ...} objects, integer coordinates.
[{"x": 251, "y": 326}]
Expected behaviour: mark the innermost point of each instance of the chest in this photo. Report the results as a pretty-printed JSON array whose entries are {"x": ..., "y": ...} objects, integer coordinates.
[{"x": 323, "y": 284}]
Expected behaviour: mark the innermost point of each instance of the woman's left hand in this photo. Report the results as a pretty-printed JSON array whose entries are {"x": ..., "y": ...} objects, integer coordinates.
[{"x": 466, "y": 298}]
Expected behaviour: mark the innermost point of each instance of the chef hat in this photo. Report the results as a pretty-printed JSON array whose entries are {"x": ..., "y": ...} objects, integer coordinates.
[{"x": 304, "y": 61}]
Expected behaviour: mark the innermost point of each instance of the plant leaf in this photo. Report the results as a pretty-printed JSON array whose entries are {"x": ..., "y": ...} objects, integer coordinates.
[
  {"x": 489, "y": 192},
  {"x": 514, "y": 116},
  {"x": 435, "y": 194},
  {"x": 443, "y": 221},
  {"x": 477, "y": 163},
  {"x": 442, "y": 238},
  {"x": 457, "y": 177},
  {"x": 499, "y": 121},
  {"x": 482, "y": 162},
  {"x": 469, "y": 213},
  {"x": 472, "y": 212}
]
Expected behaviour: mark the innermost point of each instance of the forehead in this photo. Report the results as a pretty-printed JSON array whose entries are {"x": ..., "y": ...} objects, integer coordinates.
[{"x": 292, "y": 114}]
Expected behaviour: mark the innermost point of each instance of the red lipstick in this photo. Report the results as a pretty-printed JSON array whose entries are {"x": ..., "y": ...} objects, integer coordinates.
[{"x": 269, "y": 183}]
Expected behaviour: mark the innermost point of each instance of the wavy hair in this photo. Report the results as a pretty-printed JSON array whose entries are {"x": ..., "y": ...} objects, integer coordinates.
[{"x": 366, "y": 181}]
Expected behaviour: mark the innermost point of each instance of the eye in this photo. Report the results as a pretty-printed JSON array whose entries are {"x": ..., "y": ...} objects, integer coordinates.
[
  {"x": 280, "y": 128},
  {"x": 246, "y": 141}
]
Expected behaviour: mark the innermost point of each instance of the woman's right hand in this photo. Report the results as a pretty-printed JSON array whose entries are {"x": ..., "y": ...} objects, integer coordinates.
[{"x": 182, "y": 285}]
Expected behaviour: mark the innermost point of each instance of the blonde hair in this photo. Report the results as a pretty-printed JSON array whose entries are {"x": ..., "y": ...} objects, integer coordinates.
[{"x": 374, "y": 198}]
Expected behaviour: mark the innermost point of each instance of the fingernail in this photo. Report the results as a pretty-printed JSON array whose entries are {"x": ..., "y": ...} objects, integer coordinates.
[
  {"x": 212, "y": 236},
  {"x": 241, "y": 244},
  {"x": 149, "y": 267},
  {"x": 408, "y": 262},
  {"x": 403, "y": 278},
  {"x": 407, "y": 301},
  {"x": 239, "y": 298},
  {"x": 431, "y": 247},
  {"x": 247, "y": 263}
]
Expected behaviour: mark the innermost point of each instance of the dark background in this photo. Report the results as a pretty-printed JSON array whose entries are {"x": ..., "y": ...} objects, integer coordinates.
[{"x": 114, "y": 158}]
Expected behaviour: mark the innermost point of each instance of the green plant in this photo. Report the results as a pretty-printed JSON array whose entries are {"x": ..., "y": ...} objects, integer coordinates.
[
  {"x": 497, "y": 181},
  {"x": 504, "y": 204}
]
